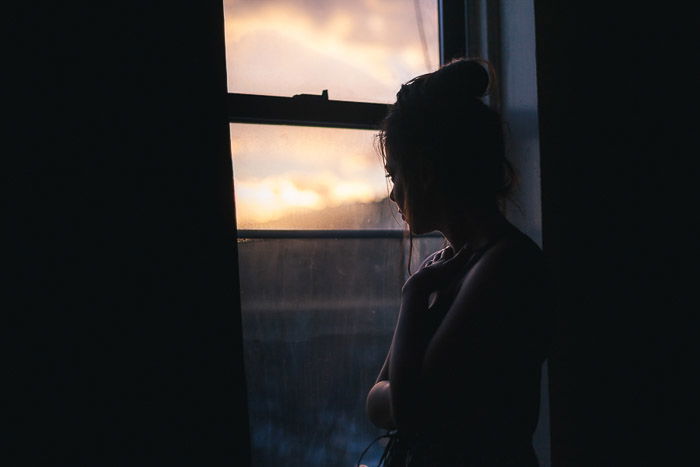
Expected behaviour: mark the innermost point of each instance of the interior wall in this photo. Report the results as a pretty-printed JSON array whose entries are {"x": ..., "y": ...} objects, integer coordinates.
[
  {"x": 518, "y": 86},
  {"x": 123, "y": 319},
  {"x": 519, "y": 103}
]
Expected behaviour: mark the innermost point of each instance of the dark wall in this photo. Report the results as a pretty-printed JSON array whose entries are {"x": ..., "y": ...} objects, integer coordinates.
[
  {"x": 618, "y": 205},
  {"x": 123, "y": 313}
]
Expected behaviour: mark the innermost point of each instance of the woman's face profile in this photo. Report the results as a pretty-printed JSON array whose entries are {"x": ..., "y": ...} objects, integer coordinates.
[
  {"x": 397, "y": 188},
  {"x": 415, "y": 214}
]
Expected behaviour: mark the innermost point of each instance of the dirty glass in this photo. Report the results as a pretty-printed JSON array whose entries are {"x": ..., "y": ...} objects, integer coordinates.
[
  {"x": 318, "y": 313},
  {"x": 318, "y": 316},
  {"x": 294, "y": 177}
]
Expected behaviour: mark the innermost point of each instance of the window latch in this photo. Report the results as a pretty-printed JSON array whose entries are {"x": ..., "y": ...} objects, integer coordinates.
[{"x": 312, "y": 97}]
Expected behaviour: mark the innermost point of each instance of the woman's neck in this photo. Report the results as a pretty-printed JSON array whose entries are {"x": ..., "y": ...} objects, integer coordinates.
[{"x": 475, "y": 230}]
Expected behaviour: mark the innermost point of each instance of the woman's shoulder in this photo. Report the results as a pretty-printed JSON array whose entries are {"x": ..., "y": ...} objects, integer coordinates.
[
  {"x": 513, "y": 250},
  {"x": 514, "y": 244},
  {"x": 513, "y": 255}
]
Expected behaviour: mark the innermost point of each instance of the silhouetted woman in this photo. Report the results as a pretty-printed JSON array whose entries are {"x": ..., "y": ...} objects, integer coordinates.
[{"x": 461, "y": 382}]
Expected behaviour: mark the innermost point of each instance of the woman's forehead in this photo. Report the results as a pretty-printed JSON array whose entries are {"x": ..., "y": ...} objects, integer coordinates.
[{"x": 390, "y": 164}]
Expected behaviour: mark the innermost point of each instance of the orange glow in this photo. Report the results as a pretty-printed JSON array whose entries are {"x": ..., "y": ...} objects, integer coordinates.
[
  {"x": 360, "y": 50},
  {"x": 280, "y": 170},
  {"x": 268, "y": 199}
]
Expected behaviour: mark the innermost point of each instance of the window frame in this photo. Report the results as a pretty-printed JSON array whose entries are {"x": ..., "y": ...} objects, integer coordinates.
[{"x": 466, "y": 28}]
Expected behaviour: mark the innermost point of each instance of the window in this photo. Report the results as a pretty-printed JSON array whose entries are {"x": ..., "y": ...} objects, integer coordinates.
[{"x": 321, "y": 249}]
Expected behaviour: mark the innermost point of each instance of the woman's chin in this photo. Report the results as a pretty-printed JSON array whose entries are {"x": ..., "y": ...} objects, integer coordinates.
[{"x": 420, "y": 225}]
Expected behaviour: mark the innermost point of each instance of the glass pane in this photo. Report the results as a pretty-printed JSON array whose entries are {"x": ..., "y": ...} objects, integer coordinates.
[
  {"x": 318, "y": 316},
  {"x": 360, "y": 50},
  {"x": 293, "y": 177}
]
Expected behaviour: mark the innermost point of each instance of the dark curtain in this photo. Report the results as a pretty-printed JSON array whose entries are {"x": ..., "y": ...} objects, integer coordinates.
[
  {"x": 123, "y": 318},
  {"x": 619, "y": 202}
]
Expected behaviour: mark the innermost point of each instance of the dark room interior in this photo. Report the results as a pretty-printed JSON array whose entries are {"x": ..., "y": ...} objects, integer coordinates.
[{"x": 122, "y": 308}]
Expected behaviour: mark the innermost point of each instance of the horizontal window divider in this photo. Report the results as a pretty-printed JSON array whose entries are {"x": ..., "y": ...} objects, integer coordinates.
[
  {"x": 331, "y": 234},
  {"x": 306, "y": 110}
]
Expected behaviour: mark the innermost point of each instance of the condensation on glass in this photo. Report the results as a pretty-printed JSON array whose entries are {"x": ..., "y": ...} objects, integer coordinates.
[
  {"x": 294, "y": 177},
  {"x": 359, "y": 50}
]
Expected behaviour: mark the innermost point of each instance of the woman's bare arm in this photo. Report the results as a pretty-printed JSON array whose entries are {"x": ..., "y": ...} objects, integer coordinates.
[
  {"x": 378, "y": 407},
  {"x": 401, "y": 369},
  {"x": 378, "y": 403},
  {"x": 408, "y": 348},
  {"x": 384, "y": 372}
]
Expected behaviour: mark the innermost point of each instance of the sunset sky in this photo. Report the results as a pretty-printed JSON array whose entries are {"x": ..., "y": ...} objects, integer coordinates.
[
  {"x": 280, "y": 169},
  {"x": 360, "y": 50}
]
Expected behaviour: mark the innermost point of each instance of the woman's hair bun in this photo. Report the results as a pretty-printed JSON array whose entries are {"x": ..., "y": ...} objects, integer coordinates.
[{"x": 470, "y": 76}]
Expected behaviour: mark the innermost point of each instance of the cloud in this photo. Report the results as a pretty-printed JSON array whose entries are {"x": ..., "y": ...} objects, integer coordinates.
[
  {"x": 264, "y": 199},
  {"x": 358, "y": 50},
  {"x": 263, "y": 150}
]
